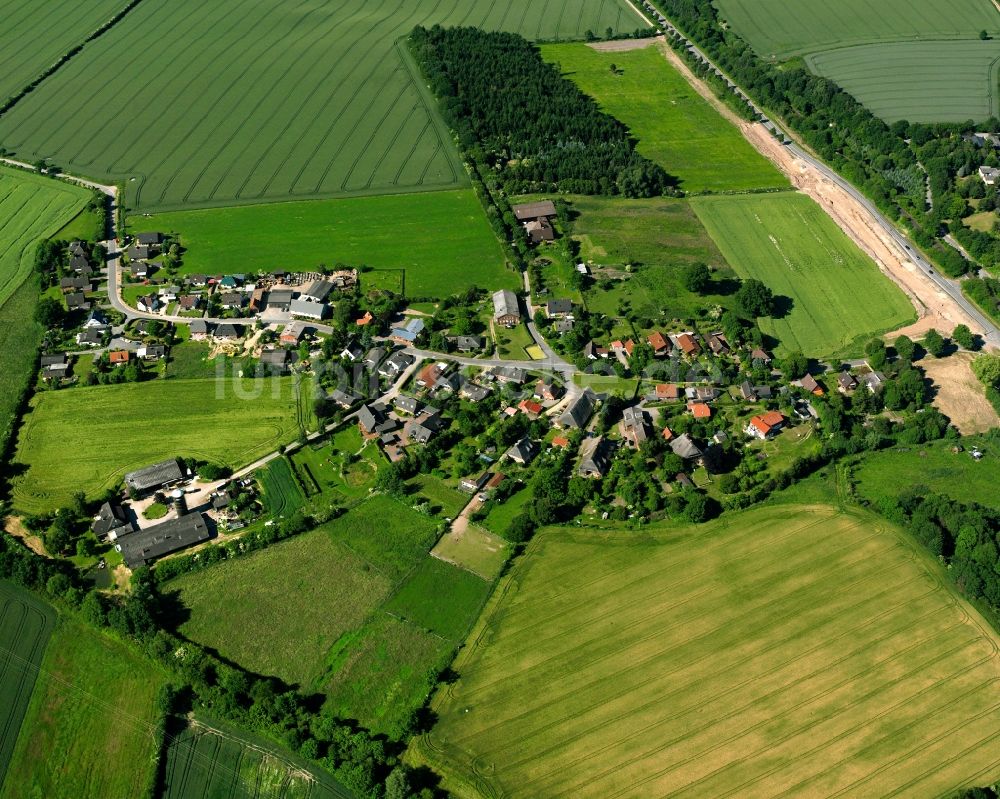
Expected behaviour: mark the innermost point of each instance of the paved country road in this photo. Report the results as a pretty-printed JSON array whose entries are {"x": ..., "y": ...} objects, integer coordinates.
[{"x": 952, "y": 288}]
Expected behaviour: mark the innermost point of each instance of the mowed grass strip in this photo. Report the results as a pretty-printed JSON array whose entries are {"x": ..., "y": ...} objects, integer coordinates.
[
  {"x": 93, "y": 715},
  {"x": 792, "y": 649},
  {"x": 675, "y": 126},
  {"x": 88, "y": 438},
  {"x": 441, "y": 240},
  {"x": 785, "y": 28},
  {"x": 925, "y": 81},
  {"x": 25, "y": 627},
  {"x": 837, "y": 295},
  {"x": 269, "y": 101},
  {"x": 35, "y": 37}
]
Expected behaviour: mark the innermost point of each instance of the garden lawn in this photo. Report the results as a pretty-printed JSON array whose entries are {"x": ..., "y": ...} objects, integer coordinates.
[
  {"x": 836, "y": 294},
  {"x": 93, "y": 714},
  {"x": 263, "y": 102},
  {"x": 474, "y": 549},
  {"x": 396, "y": 232},
  {"x": 888, "y": 473},
  {"x": 444, "y": 500},
  {"x": 88, "y": 438},
  {"x": 675, "y": 126},
  {"x": 789, "y": 650}
]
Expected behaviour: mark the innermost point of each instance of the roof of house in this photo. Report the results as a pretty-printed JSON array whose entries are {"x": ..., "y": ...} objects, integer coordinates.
[
  {"x": 505, "y": 304},
  {"x": 409, "y": 332},
  {"x": 353, "y": 350},
  {"x": 530, "y": 406},
  {"x": 687, "y": 343},
  {"x": 119, "y": 356},
  {"x": 467, "y": 343},
  {"x": 55, "y": 359},
  {"x": 700, "y": 410},
  {"x": 279, "y": 296},
  {"x": 318, "y": 289},
  {"x": 846, "y": 380},
  {"x": 522, "y": 451},
  {"x": 407, "y": 404},
  {"x": 369, "y": 418},
  {"x": 154, "y": 476},
  {"x": 668, "y": 391},
  {"x": 560, "y": 441},
  {"x": 579, "y": 411},
  {"x": 91, "y": 335},
  {"x": 367, "y": 319},
  {"x": 759, "y": 354},
  {"x": 596, "y": 455},
  {"x": 765, "y": 422},
  {"x": 300, "y": 307},
  {"x": 510, "y": 374},
  {"x": 278, "y": 357},
  {"x": 526, "y": 211},
  {"x": 685, "y": 447},
  {"x": 374, "y": 357},
  {"x": 228, "y": 330},
  {"x": 809, "y": 383},
  {"x": 560, "y": 306},
  {"x": 76, "y": 300},
  {"x": 142, "y": 546},
  {"x": 198, "y": 326},
  {"x": 149, "y": 238},
  {"x": 474, "y": 391},
  {"x": 658, "y": 341},
  {"x": 110, "y": 517}
]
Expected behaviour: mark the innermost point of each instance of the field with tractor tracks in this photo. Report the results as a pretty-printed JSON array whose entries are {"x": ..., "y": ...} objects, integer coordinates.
[{"x": 792, "y": 650}]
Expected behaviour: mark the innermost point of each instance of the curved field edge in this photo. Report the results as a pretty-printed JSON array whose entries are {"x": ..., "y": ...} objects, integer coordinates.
[
  {"x": 918, "y": 81},
  {"x": 786, "y": 28},
  {"x": 533, "y": 585},
  {"x": 26, "y": 625},
  {"x": 836, "y": 293}
]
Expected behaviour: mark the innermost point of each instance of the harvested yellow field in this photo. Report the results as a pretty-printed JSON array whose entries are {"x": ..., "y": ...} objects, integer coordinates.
[{"x": 788, "y": 651}]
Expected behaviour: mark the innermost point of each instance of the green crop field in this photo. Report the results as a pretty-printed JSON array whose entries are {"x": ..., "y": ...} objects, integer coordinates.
[
  {"x": 206, "y": 762},
  {"x": 34, "y": 37},
  {"x": 837, "y": 294},
  {"x": 87, "y": 438},
  {"x": 888, "y": 473},
  {"x": 674, "y": 125},
  {"x": 282, "y": 493},
  {"x": 324, "y": 103},
  {"x": 441, "y": 239},
  {"x": 25, "y": 627},
  {"x": 925, "y": 81},
  {"x": 31, "y": 208},
  {"x": 785, "y": 28},
  {"x": 93, "y": 715},
  {"x": 792, "y": 650}
]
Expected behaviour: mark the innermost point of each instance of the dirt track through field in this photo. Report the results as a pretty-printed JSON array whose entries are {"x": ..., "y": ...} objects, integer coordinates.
[{"x": 934, "y": 308}]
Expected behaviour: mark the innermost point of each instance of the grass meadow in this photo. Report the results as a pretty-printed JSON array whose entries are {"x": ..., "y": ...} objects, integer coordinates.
[
  {"x": 786, "y": 28},
  {"x": 476, "y": 550},
  {"x": 958, "y": 475},
  {"x": 675, "y": 126},
  {"x": 791, "y": 650},
  {"x": 355, "y": 609},
  {"x": 920, "y": 81},
  {"x": 92, "y": 713},
  {"x": 838, "y": 297},
  {"x": 659, "y": 237},
  {"x": 325, "y": 103},
  {"x": 207, "y": 762},
  {"x": 25, "y": 627},
  {"x": 440, "y": 240},
  {"x": 88, "y": 438},
  {"x": 33, "y": 38}
]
